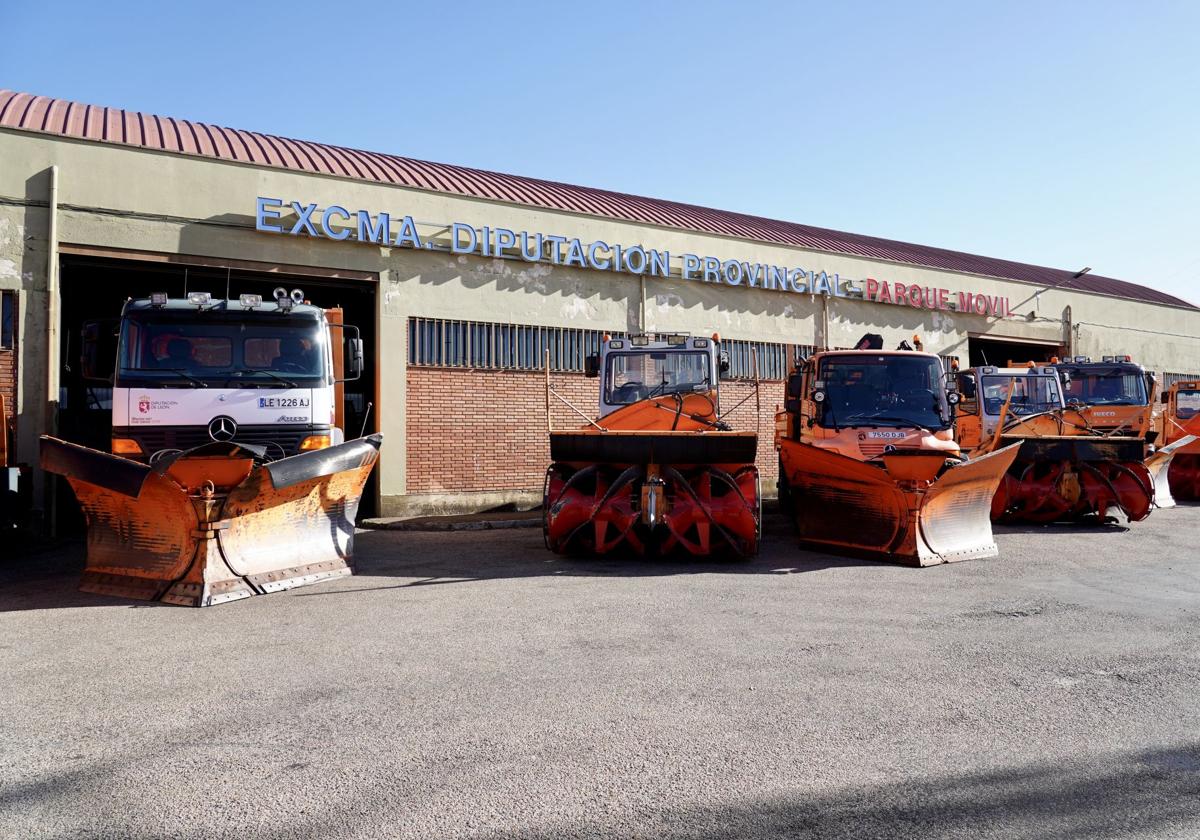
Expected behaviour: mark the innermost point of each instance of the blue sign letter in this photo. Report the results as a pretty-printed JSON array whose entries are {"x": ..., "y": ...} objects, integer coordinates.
[
  {"x": 305, "y": 218},
  {"x": 593, "y": 261},
  {"x": 407, "y": 235},
  {"x": 472, "y": 238},
  {"x": 380, "y": 233},
  {"x": 267, "y": 208},
  {"x": 335, "y": 210}
]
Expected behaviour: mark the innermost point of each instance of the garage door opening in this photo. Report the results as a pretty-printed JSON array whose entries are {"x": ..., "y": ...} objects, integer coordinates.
[
  {"x": 1000, "y": 352},
  {"x": 97, "y": 287}
]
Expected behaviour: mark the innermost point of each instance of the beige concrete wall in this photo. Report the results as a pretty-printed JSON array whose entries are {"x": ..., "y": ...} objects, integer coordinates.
[{"x": 131, "y": 199}]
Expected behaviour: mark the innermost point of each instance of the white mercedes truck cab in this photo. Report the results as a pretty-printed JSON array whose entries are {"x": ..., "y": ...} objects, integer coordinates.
[{"x": 191, "y": 371}]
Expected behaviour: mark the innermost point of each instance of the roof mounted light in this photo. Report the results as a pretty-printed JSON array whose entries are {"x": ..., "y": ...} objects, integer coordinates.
[
  {"x": 676, "y": 340},
  {"x": 297, "y": 296},
  {"x": 1108, "y": 358},
  {"x": 1082, "y": 360},
  {"x": 699, "y": 342},
  {"x": 282, "y": 299},
  {"x": 199, "y": 298},
  {"x": 639, "y": 340},
  {"x": 616, "y": 344},
  {"x": 158, "y": 299},
  {"x": 250, "y": 301}
]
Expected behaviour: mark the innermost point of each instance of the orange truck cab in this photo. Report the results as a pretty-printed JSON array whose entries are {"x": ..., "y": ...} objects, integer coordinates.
[
  {"x": 861, "y": 403},
  {"x": 984, "y": 393},
  {"x": 1115, "y": 395}
]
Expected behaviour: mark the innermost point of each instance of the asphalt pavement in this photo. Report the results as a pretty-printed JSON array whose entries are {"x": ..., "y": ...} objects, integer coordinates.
[{"x": 470, "y": 684}]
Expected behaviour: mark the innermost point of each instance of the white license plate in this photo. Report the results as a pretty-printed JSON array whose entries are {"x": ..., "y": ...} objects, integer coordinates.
[{"x": 888, "y": 435}]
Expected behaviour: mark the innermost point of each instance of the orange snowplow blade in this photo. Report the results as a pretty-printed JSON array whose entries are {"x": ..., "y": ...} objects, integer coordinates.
[
  {"x": 1159, "y": 465},
  {"x": 900, "y": 510},
  {"x": 215, "y": 524}
]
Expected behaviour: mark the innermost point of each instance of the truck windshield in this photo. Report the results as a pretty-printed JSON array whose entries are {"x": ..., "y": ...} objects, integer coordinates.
[
  {"x": 637, "y": 376},
  {"x": 1112, "y": 387},
  {"x": 1030, "y": 394},
  {"x": 867, "y": 390},
  {"x": 1187, "y": 404},
  {"x": 172, "y": 352}
]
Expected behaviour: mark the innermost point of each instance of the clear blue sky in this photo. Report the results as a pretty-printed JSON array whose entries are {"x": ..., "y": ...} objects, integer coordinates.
[{"x": 1063, "y": 134}]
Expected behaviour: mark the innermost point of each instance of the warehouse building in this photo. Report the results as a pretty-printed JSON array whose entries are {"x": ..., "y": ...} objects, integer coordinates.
[{"x": 464, "y": 282}]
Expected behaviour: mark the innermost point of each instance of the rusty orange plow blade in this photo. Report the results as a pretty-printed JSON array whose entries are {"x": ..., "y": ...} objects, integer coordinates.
[
  {"x": 913, "y": 508},
  {"x": 216, "y": 523}
]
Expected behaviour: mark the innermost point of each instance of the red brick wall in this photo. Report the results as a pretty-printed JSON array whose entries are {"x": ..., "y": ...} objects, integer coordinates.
[{"x": 474, "y": 430}]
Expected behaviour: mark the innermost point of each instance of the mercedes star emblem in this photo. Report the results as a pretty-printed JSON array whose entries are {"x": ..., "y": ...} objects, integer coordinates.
[{"x": 222, "y": 428}]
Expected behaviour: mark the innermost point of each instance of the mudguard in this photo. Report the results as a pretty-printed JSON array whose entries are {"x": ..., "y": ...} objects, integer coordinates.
[
  {"x": 214, "y": 524},
  {"x": 902, "y": 511}
]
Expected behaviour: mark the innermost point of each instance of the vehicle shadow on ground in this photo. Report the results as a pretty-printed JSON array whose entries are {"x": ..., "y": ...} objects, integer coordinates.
[
  {"x": 1142, "y": 793},
  {"x": 1079, "y": 528},
  {"x": 1152, "y": 793},
  {"x": 47, "y": 578},
  {"x": 438, "y": 558}
]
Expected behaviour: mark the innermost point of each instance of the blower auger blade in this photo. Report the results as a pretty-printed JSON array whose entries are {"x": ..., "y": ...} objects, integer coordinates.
[
  {"x": 713, "y": 511},
  {"x": 213, "y": 525},
  {"x": 861, "y": 508},
  {"x": 592, "y": 510},
  {"x": 1184, "y": 476}
]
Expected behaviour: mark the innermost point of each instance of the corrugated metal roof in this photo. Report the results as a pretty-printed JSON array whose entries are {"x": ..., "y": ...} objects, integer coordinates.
[{"x": 132, "y": 128}]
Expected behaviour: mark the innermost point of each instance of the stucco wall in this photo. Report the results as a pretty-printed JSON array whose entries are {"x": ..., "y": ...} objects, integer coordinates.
[{"x": 138, "y": 200}]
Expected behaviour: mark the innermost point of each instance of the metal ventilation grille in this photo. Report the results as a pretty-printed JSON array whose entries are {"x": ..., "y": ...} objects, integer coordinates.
[{"x": 438, "y": 342}]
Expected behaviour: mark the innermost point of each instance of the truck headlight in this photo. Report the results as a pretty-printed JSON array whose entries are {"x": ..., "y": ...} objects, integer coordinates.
[
  {"x": 315, "y": 442},
  {"x": 126, "y": 446}
]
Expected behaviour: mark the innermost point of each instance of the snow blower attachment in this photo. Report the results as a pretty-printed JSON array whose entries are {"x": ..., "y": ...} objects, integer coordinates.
[
  {"x": 1181, "y": 429},
  {"x": 659, "y": 471},
  {"x": 868, "y": 464},
  {"x": 1068, "y": 468},
  {"x": 216, "y": 523}
]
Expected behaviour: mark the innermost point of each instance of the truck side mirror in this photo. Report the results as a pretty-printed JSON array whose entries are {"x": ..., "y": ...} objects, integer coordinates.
[
  {"x": 591, "y": 366},
  {"x": 352, "y": 363},
  {"x": 966, "y": 386},
  {"x": 97, "y": 358},
  {"x": 354, "y": 358},
  {"x": 723, "y": 362}
]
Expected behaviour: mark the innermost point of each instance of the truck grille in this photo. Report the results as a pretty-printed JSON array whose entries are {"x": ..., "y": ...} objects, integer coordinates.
[
  {"x": 872, "y": 450},
  {"x": 155, "y": 438}
]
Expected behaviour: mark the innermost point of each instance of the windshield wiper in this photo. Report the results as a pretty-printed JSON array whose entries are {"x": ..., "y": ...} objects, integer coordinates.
[
  {"x": 272, "y": 374},
  {"x": 196, "y": 383},
  {"x": 887, "y": 417}
]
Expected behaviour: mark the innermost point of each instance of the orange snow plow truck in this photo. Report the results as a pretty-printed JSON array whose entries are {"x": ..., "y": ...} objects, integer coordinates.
[
  {"x": 230, "y": 475},
  {"x": 659, "y": 470},
  {"x": 1077, "y": 461},
  {"x": 868, "y": 464},
  {"x": 1180, "y": 420}
]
